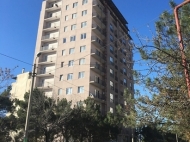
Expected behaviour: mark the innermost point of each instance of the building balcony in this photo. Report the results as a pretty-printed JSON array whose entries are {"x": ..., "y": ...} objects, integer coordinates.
[
  {"x": 52, "y": 17},
  {"x": 48, "y": 38},
  {"x": 97, "y": 55},
  {"x": 49, "y": 60},
  {"x": 98, "y": 8},
  {"x": 51, "y": 28},
  {"x": 48, "y": 49},
  {"x": 53, "y": 7},
  {"x": 46, "y": 73},
  {"x": 97, "y": 82},
  {"x": 97, "y": 68},
  {"x": 98, "y": 31},
  {"x": 100, "y": 21},
  {"x": 45, "y": 85},
  {"x": 97, "y": 97},
  {"x": 98, "y": 43}
]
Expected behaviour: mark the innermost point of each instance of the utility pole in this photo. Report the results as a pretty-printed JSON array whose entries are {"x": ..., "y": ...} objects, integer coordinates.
[
  {"x": 29, "y": 102},
  {"x": 184, "y": 61}
]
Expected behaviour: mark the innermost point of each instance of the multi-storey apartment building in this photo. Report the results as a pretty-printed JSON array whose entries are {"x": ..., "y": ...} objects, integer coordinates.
[{"x": 85, "y": 52}]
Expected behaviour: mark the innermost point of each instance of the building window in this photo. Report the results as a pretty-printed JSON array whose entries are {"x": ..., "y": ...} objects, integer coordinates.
[
  {"x": 111, "y": 60},
  {"x": 72, "y": 38},
  {"x": 111, "y": 98},
  {"x": 74, "y": 15},
  {"x": 64, "y": 40},
  {"x": 63, "y": 52},
  {"x": 84, "y": 12},
  {"x": 111, "y": 27},
  {"x": 71, "y": 63},
  {"x": 82, "y": 48},
  {"x": 111, "y": 85},
  {"x": 111, "y": 73},
  {"x": 111, "y": 38},
  {"x": 83, "y": 36},
  {"x": 124, "y": 60},
  {"x": 111, "y": 49},
  {"x": 84, "y": 2},
  {"x": 69, "y": 90},
  {"x": 83, "y": 24},
  {"x": 82, "y": 61},
  {"x": 66, "y": 17},
  {"x": 73, "y": 27},
  {"x": 71, "y": 50},
  {"x": 75, "y": 4},
  {"x": 111, "y": 109},
  {"x": 59, "y": 91},
  {"x": 65, "y": 28},
  {"x": 81, "y": 89},
  {"x": 67, "y": 7},
  {"x": 62, "y": 64},
  {"x": 81, "y": 74},
  {"x": 124, "y": 71},
  {"x": 69, "y": 76},
  {"x": 124, "y": 82},
  {"x": 61, "y": 77}
]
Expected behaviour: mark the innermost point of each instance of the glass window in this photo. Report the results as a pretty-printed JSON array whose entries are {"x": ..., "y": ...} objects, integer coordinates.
[
  {"x": 111, "y": 38},
  {"x": 111, "y": 109},
  {"x": 67, "y": 7},
  {"x": 84, "y": 2},
  {"x": 61, "y": 77},
  {"x": 83, "y": 24},
  {"x": 84, "y": 12},
  {"x": 81, "y": 89},
  {"x": 82, "y": 61},
  {"x": 73, "y": 27},
  {"x": 75, "y": 4},
  {"x": 65, "y": 28},
  {"x": 69, "y": 90},
  {"x": 71, "y": 50},
  {"x": 111, "y": 83},
  {"x": 71, "y": 63},
  {"x": 111, "y": 60},
  {"x": 83, "y": 36},
  {"x": 72, "y": 38},
  {"x": 66, "y": 17},
  {"x": 111, "y": 98},
  {"x": 69, "y": 76},
  {"x": 111, "y": 48},
  {"x": 74, "y": 15},
  {"x": 124, "y": 81},
  {"x": 64, "y": 40},
  {"x": 111, "y": 27},
  {"x": 124, "y": 60},
  {"x": 59, "y": 91},
  {"x": 82, "y": 48},
  {"x": 62, "y": 64},
  {"x": 111, "y": 71},
  {"x": 124, "y": 70},
  {"x": 81, "y": 74},
  {"x": 63, "y": 52}
]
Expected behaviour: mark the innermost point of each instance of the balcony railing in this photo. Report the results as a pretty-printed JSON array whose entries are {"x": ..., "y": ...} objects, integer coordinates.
[
  {"x": 44, "y": 48},
  {"x": 98, "y": 54},
  {"x": 99, "y": 43},
  {"x": 46, "y": 84},
  {"x": 101, "y": 21},
  {"x": 49, "y": 59},
  {"x": 52, "y": 16},
  {"x": 47, "y": 71},
  {"x": 95, "y": 3},
  {"x": 100, "y": 31},
  {"x": 97, "y": 81},
  {"x": 97, "y": 96},
  {"x": 46, "y": 37}
]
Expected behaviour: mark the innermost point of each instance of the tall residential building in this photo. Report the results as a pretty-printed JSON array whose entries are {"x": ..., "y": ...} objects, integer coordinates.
[{"x": 86, "y": 52}]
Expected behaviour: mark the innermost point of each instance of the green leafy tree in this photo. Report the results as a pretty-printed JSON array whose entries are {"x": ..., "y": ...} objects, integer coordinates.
[{"x": 166, "y": 105}]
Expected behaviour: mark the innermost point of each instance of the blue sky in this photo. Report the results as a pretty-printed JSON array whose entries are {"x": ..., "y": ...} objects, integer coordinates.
[{"x": 19, "y": 25}]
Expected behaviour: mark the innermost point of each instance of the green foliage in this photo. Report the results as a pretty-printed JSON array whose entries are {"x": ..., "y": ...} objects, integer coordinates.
[{"x": 167, "y": 108}]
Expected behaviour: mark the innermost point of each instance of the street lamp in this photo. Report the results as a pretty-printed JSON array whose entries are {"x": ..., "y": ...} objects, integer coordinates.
[{"x": 29, "y": 101}]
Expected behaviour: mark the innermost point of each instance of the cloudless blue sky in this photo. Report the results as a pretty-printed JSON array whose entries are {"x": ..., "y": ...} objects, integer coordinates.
[{"x": 19, "y": 25}]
